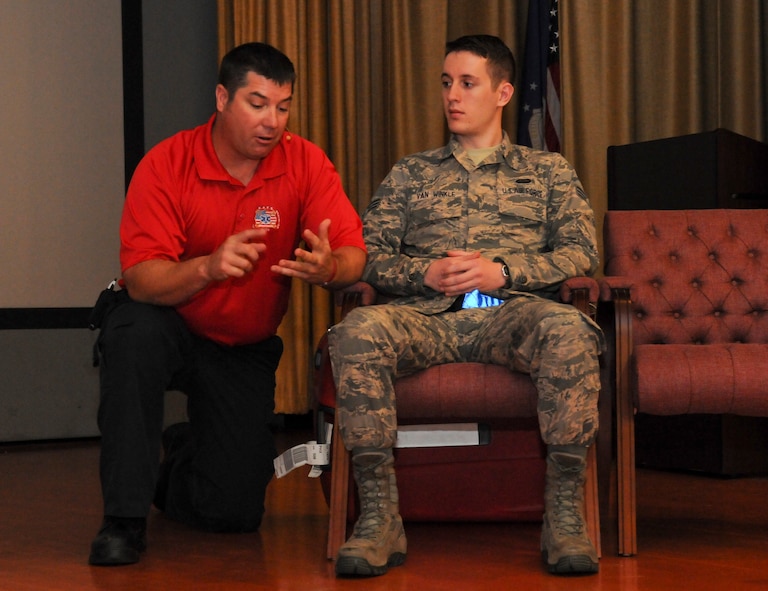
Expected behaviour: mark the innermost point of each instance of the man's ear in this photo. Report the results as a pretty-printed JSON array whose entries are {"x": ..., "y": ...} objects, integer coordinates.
[
  {"x": 222, "y": 97},
  {"x": 506, "y": 90}
]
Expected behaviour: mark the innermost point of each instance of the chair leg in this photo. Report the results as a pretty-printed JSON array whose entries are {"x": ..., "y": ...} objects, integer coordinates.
[
  {"x": 625, "y": 432},
  {"x": 626, "y": 485},
  {"x": 338, "y": 503},
  {"x": 592, "y": 501}
]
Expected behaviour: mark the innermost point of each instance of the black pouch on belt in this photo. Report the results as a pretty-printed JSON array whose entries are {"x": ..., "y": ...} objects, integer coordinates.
[{"x": 107, "y": 298}]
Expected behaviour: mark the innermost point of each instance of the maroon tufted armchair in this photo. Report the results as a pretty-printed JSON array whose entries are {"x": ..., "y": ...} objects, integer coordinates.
[{"x": 690, "y": 322}]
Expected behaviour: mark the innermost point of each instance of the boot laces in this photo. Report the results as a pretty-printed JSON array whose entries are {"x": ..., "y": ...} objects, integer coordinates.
[
  {"x": 372, "y": 511},
  {"x": 567, "y": 517}
]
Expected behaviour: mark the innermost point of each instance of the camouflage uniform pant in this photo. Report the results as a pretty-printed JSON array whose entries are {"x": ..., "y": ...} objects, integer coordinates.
[{"x": 554, "y": 343}]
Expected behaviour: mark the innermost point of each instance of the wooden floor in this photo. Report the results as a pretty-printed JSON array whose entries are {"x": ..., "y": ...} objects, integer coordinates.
[{"x": 695, "y": 532}]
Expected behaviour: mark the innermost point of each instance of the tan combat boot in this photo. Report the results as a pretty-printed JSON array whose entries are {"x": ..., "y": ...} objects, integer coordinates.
[
  {"x": 565, "y": 545},
  {"x": 378, "y": 539}
]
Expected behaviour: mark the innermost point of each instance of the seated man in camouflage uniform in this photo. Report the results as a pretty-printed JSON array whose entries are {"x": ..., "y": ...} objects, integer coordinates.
[{"x": 477, "y": 215}]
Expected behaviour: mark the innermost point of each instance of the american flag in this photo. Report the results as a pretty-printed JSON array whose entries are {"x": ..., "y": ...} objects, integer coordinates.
[{"x": 539, "y": 121}]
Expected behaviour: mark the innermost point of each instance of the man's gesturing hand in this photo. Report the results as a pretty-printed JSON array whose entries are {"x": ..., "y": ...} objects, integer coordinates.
[
  {"x": 236, "y": 256},
  {"x": 315, "y": 265}
]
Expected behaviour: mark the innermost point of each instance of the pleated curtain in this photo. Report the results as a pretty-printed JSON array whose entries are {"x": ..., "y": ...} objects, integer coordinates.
[{"x": 368, "y": 92}]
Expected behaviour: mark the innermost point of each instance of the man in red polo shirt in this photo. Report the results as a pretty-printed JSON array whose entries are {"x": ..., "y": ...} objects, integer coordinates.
[{"x": 210, "y": 238}]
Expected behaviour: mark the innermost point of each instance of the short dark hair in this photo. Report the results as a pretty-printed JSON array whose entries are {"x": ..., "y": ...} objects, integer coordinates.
[
  {"x": 259, "y": 58},
  {"x": 501, "y": 62}
]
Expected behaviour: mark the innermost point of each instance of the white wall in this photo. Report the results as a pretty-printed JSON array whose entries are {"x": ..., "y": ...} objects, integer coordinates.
[
  {"x": 61, "y": 150},
  {"x": 62, "y": 182}
]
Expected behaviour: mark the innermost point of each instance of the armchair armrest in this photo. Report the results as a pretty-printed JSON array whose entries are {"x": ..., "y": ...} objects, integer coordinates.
[
  {"x": 612, "y": 288},
  {"x": 357, "y": 294},
  {"x": 362, "y": 290},
  {"x": 582, "y": 292}
]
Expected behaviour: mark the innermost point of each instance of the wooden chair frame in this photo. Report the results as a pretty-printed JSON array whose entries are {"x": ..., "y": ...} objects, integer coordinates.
[
  {"x": 624, "y": 412},
  {"x": 582, "y": 293}
]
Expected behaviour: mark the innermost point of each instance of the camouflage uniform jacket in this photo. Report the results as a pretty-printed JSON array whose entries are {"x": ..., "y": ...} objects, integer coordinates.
[{"x": 524, "y": 207}]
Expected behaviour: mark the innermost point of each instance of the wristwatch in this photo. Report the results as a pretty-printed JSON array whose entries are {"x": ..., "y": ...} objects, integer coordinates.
[{"x": 505, "y": 274}]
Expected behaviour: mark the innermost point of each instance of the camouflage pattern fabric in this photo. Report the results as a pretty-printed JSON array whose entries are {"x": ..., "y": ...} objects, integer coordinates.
[{"x": 524, "y": 207}]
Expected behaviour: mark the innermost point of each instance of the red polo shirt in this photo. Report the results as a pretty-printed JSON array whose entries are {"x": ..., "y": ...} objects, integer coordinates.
[{"x": 182, "y": 203}]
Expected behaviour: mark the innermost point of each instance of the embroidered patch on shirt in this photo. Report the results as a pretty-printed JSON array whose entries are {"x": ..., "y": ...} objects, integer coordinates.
[{"x": 266, "y": 217}]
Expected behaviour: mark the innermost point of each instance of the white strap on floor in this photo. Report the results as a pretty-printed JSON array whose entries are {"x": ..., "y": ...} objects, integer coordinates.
[{"x": 313, "y": 453}]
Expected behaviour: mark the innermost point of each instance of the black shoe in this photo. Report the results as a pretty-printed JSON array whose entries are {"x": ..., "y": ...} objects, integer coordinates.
[{"x": 119, "y": 541}]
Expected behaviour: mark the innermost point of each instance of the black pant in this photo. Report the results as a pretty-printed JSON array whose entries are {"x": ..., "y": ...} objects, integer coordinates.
[{"x": 216, "y": 477}]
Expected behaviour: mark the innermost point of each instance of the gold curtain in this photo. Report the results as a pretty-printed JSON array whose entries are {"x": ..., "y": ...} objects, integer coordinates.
[
  {"x": 368, "y": 91},
  {"x": 637, "y": 70}
]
